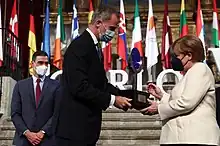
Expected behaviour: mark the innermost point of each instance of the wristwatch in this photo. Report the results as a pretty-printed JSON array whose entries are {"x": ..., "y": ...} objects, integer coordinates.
[{"x": 43, "y": 131}]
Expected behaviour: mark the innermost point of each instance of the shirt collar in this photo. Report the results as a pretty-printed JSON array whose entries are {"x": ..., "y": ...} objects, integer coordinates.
[
  {"x": 93, "y": 36},
  {"x": 35, "y": 79}
]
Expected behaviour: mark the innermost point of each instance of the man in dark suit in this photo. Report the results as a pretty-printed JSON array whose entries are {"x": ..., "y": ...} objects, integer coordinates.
[
  {"x": 86, "y": 91},
  {"x": 33, "y": 105}
]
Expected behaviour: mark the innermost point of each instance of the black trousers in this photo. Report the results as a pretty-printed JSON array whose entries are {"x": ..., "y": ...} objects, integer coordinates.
[{"x": 67, "y": 142}]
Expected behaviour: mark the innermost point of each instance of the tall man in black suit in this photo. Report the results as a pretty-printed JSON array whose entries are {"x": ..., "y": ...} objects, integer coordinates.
[
  {"x": 33, "y": 105},
  {"x": 86, "y": 91}
]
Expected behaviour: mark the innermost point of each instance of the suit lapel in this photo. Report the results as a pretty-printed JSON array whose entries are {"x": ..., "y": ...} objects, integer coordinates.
[
  {"x": 102, "y": 58},
  {"x": 31, "y": 91},
  {"x": 44, "y": 90},
  {"x": 90, "y": 41}
]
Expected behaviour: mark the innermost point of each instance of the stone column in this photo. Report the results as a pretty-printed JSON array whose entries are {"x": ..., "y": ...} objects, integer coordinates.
[
  {"x": 7, "y": 88},
  {"x": 206, "y": 4},
  {"x": 82, "y": 5},
  {"x": 96, "y": 3},
  {"x": 191, "y": 3},
  {"x": 54, "y": 4}
]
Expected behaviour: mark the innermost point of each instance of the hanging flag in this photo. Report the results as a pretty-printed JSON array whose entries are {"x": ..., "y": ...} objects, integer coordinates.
[
  {"x": 1, "y": 47},
  {"x": 122, "y": 43},
  {"x": 151, "y": 48},
  {"x": 13, "y": 26},
  {"x": 63, "y": 35},
  {"x": 57, "y": 60},
  {"x": 215, "y": 35},
  {"x": 91, "y": 11},
  {"x": 107, "y": 53},
  {"x": 136, "y": 33},
  {"x": 183, "y": 20},
  {"x": 46, "y": 40},
  {"x": 75, "y": 24},
  {"x": 200, "y": 26},
  {"x": 166, "y": 38},
  {"x": 219, "y": 33},
  {"x": 31, "y": 39},
  {"x": 105, "y": 1}
]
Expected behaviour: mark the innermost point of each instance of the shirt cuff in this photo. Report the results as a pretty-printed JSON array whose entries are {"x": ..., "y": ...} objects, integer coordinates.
[
  {"x": 25, "y": 132},
  {"x": 43, "y": 131},
  {"x": 112, "y": 101}
]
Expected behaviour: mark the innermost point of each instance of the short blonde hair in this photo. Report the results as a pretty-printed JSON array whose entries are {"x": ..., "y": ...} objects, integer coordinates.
[{"x": 190, "y": 44}]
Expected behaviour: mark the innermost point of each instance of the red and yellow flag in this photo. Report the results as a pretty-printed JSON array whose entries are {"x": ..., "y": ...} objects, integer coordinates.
[
  {"x": 91, "y": 11},
  {"x": 31, "y": 40}
]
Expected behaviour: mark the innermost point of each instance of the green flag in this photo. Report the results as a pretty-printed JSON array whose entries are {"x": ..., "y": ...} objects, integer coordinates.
[
  {"x": 62, "y": 33},
  {"x": 215, "y": 39}
]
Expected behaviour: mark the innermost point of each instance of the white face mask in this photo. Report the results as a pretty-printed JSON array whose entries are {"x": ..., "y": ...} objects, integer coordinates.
[{"x": 41, "y": 70}]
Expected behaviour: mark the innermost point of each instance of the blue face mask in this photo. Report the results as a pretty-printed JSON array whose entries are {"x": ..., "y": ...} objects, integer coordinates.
[{"x": 107, "y": 36}]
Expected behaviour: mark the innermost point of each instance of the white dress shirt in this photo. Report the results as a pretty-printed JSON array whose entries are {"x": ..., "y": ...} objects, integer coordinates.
[{"x": 96, "y": 42}]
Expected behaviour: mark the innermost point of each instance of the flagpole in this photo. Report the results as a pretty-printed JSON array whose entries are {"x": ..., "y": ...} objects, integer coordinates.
[
  {"x": 4, "y": 31},
  {"x": 5, "y": 13},
  {"x": 18, "y": 12}
]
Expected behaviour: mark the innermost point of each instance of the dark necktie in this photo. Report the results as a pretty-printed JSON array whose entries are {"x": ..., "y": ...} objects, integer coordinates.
[
  {"x": 99, "y": 50},
  {"x": 38, "y": 91}
]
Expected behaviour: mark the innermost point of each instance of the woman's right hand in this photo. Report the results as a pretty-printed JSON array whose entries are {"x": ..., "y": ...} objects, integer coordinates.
[{"x": 154, "y": 90}]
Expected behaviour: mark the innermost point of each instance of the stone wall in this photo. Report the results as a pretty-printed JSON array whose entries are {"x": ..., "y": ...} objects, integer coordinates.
[{"x": 7, "y": 88}]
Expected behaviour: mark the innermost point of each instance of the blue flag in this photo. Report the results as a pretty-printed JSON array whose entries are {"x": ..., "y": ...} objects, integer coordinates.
[
  {"x": 75, "y": 23},
  {"x": 105, "y": 1},
  {"x": 46, "y": 39}
]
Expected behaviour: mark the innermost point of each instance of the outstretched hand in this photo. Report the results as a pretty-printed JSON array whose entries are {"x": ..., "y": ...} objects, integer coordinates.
[
  {"x": 154, "y": 90},
  {"x": 122, "y": 103},
  {"x": 151, "y": 110}
]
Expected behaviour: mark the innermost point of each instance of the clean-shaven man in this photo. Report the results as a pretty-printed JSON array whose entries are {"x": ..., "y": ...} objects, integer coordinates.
[
  {"x": 33, "y": 105},
  {"x": 86, "y": 91}
]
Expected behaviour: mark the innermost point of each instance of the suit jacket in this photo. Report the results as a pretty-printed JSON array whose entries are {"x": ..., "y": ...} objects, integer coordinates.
[
  {"x": 86, "y": 92},
  {"x": 189, "y": 113},
  {"x": 217, "y": 92},
  {"x": 25, "y": 115}
]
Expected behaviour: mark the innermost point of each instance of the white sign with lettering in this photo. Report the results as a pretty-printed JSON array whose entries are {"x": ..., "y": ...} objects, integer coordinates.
[{"x": 124, "y": 78}]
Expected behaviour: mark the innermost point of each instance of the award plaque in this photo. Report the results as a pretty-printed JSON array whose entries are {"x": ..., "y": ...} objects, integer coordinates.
[{"x": 139, "y": 98}]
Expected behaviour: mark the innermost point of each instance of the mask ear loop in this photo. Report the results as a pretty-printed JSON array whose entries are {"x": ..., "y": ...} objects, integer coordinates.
[
  {"x": 104, "y": 27},
  {"x": 186, "y": 61}
]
